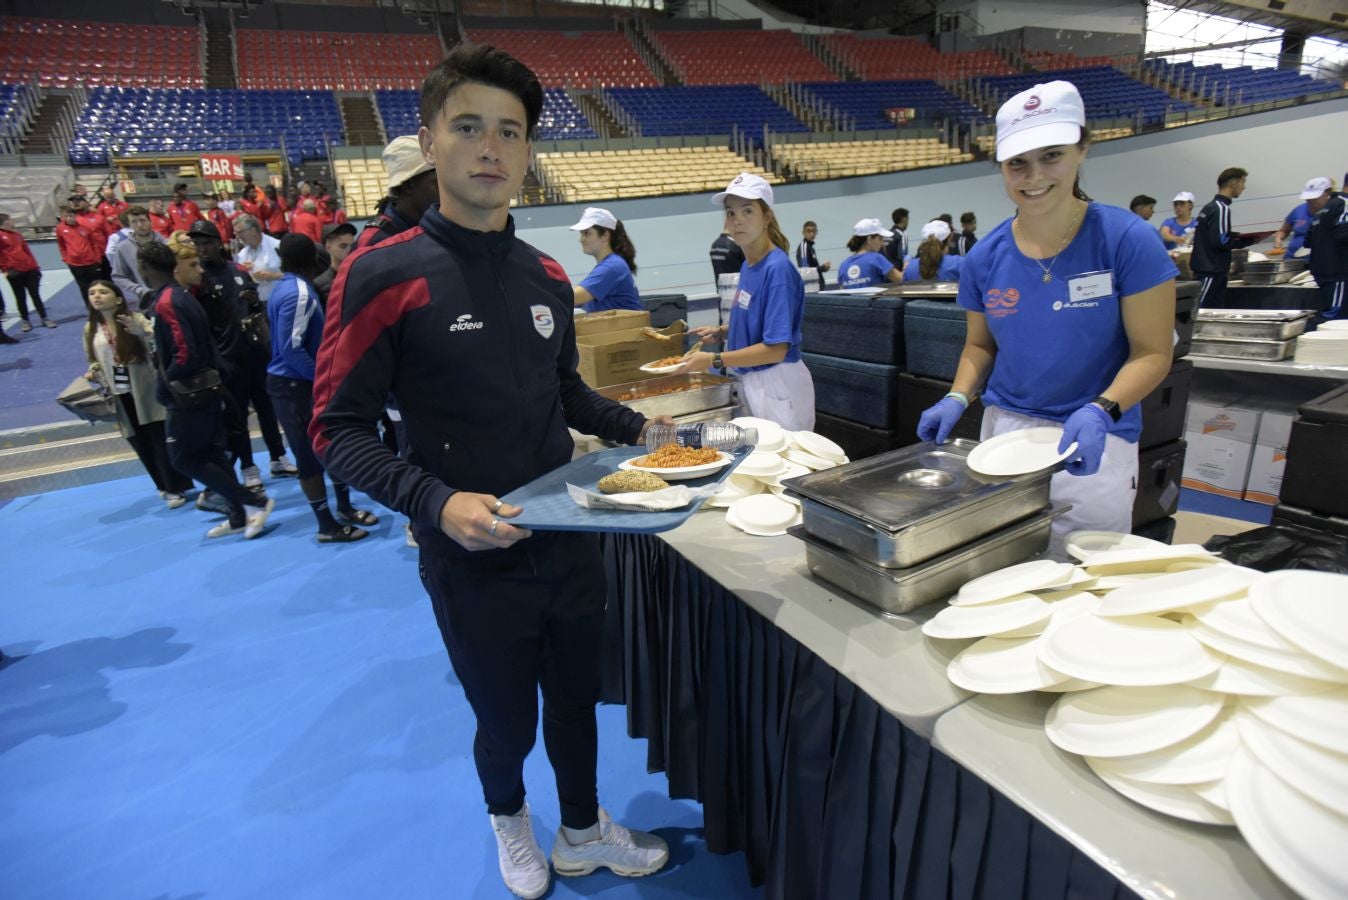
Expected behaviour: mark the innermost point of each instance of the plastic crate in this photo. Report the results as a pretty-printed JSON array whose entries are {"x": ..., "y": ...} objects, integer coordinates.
[
  {"x": 860, "y": 391},
  {"x": 1186, "y": 313},
  {"x": 665, "y": 309},
  {"x": 1316, "y": 476},
  {"x": 869, "y": 329},
  {"x": 859, "y": 441},
  {"x": 933, "y": 337},
  {"x": 1159, "y": 470},
  {"x": 1163, "y": 409}
]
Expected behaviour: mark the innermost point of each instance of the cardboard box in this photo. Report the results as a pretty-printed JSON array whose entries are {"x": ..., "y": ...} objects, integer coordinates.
[
  {"x": 611, "y": 320},
  {"x": 1221, "y": 443},
  {"x": 1269, "y": 459},
  {"x": 614, "y": 357}
]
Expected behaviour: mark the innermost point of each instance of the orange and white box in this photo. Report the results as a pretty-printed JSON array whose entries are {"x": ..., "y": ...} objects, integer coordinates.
[
  {"x": 1220, "y": 444},
  {"x": 1269, "y": 459}
]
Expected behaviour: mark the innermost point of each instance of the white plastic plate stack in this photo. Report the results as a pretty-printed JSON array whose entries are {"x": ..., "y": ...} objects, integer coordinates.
[
  {"x": 779, "y": 455},
  {"x": 1323, "y": 347}
]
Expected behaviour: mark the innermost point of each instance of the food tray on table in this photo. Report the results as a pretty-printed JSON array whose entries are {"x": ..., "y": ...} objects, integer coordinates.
[
  {"x": 548, "y": 506},
  {"x": 1235, "y": 348},
  {"x": 1251, "y": 324},
  {"x": 672, "y": 395}
]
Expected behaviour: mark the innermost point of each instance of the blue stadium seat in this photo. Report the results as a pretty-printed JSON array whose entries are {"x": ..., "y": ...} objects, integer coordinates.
[
  {"x": 867, "y": 102},
  {"x": 562, "y": 119},
  {"x": 1107, "y": 92},
  {"x": 704, "y": 110}
]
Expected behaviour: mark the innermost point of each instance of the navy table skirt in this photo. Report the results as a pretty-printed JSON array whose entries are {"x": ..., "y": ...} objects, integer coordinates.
[{"x": 828, "y": 795}]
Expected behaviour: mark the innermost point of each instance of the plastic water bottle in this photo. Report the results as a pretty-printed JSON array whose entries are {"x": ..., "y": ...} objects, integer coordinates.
[{"x": 725, "y": 436}]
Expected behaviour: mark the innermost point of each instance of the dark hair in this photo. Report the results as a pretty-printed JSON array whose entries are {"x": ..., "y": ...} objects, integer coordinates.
[
  {"x": 809, "y": 223},
  {"x": 968, "y": 217},
  {"x": 620, "y": 244},
  {"x": 133, "y": 211},
  {"x": 5, "y": 217},
  {"x": 180, "y": 186},
  {"x": 65, "y": 208},
  {"x": 1235, "y": 173},
  {"x": 946, "y": 218},
  {"x": 483, "y": 64},
  {"x": 929, "y": 257},
  {"x": 1141, "y": 200},
  {"x": 898, "y": 215},
  {"x": 157, "y": 257},
  {"x": 855, "y": 241},
  {"x": 128, "y": 346}
]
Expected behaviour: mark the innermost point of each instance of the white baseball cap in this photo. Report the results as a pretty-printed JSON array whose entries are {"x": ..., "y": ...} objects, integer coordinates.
[
  {"x": 746, "y": 185},
  {"x": 403, "y": 160},
  {"x": 936, "y": 228},
  {"x": 1183, "y": 197},
  {"x": 1315, "y": 187},
  {"x": 592, "y": 216},
  {"x": 868, "y": 227},
  {"x": 1046, "y": 115}
]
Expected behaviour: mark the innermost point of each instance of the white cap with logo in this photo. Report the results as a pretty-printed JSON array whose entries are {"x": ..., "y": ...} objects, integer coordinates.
[
  {"x": 746, "y": 185},
  {"x": 592, "y": 216},
  {"x": 403, "y": 160},
  {"x": 1183, "y": 197},
  {"x": 1047, "y": 115},
  {"x": 1315, "y": 187},
  {"x": 868, "y": 227},
  {"x": 936, "y": 228}
]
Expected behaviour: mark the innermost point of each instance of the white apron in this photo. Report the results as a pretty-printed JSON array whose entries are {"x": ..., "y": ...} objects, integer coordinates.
[{"x": 783, "y": 393}]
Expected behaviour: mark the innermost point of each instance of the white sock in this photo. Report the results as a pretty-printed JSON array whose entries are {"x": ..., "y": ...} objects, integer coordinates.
[{"x": 581, "y": 835}]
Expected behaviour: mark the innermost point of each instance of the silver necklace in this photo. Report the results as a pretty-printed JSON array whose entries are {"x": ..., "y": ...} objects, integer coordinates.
[{"x": 1048, "y": 269}]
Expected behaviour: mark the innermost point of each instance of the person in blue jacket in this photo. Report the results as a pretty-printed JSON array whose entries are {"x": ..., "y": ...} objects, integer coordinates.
[
  {"x": 931, "y": 262},
  {"x": 1178, "y": 230},
  {"x": 868, "y": 266},
  {"x": 610, "y": 284},
  {"x": 1070, "y": 311},
  {"x": 295, "y": 312},
  {"x": 1298, "y": 222},
  {"x": 762, "y": 339}
]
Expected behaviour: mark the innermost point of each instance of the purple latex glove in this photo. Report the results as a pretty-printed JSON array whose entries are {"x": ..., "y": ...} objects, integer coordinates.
[
  {"x": 939, "y": 420},
  {"x": 1088, "y": 427}
]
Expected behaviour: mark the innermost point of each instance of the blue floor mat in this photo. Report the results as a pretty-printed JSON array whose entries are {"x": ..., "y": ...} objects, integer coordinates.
[{"x": 35, "y": 370}]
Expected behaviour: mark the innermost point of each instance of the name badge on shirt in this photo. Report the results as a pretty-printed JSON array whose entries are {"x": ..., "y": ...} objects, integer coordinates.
[
  {"x": 121, "y": 378},
  {"x": 742, "y": 299},
  {"x": 1089, "y": 286}
]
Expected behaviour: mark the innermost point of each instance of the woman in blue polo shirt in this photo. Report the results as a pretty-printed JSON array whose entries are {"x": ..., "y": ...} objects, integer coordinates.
[
  {"x": 762, "y": 339},
  {"x": 610, "y": 284},
  {"x": 1179, "y": 229},
  {"x": 868, "y": 266},
  {"x": 931, "y": 262},
  {"x": 1070, "y": 311}
]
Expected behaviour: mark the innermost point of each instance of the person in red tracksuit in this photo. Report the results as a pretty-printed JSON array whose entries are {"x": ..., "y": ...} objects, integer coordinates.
[
  {"x": 92, "y": 219},
  {"x": 183, "y": 212},
  {"x": 110, "y": 207},
  {"x": 251, "y": 203},
  {"x": 159, "y": 220},
  {"x": 217, "y": 217},
  {"x": 305, "y": 221},
  {"x": 22, "y": 271},
  {"x": 82, "y": 251},
  {"x": 274, "y": 221}
]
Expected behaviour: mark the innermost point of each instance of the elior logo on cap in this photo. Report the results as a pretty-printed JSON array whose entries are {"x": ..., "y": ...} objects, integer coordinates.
[
  {"x": 1032, "y": 103},
  {"x": 738, "y": 179}
]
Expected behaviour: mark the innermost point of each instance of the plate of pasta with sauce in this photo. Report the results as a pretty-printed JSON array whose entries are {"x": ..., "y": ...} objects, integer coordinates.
[{"x": 674, "y": 463}]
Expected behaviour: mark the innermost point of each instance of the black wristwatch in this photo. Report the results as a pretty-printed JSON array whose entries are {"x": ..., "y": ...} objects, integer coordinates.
[
  {"x": 1109, "y": 406},
  {"x": 716, "y": 361}
]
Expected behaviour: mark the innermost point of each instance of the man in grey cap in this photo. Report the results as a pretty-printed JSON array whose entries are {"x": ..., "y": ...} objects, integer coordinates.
[{"x": 411, "y": 191}]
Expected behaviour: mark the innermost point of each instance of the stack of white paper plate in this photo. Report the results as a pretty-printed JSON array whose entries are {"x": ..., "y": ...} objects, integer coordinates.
[
  {"x": 1323, "y": 347},
  {"x": 779, "y": 455}
]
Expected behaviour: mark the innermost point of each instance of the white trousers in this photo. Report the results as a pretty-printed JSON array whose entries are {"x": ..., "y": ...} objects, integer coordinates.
[
  {"x": 1103, "y": 501},
  {"x": 783, "y": 393}
]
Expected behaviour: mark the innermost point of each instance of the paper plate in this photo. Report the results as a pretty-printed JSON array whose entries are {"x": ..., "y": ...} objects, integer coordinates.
[
  {"x": 1081, "y": 544},
  {"x": 1027, "y": 576},
  {"x": 761, "y": 465},
  {"x": 956, "y": 622},
  {"x": 780, "y": 491},
  {"x": 1144, "y": 559},
  {"x": 1070, "y": 685},
  {"x": 1117, "y": 721},
  {"x": 765, "y": 513},
  {"x": 1236, "y": 618},
  {"x": 1105, "y": 583},
  {"x": 1320, "y": 719},
  {"x": 1214, "y": 792},
  {"x": 997, "y": 665},
  {"x": 1291, "y": 659},
  {"x": 1236, "y": 676},
  {"x": 820, "y": 446},
  {"x": 1301, "y": 840},
  {"x": 736, "y": 523},
  {"x": 808, "y": 460},
  {"x": 659, "y": 370},
  {"x": 1308, "y": 609},
  {"x": 1064, "y": 607},
  {"x": 683, "y": 473},
  {"x": 1139, "y": 651},
  {"x": 771, "y": 436},
  {"x": 734, "y": 488},
  {"x": 1020, "y": 452},
  {"x": 1314, "y": 771},
  {"x": 1178, "y": 590},
  {"x": 1194, "y": 760},
  {"x": 789, "y": 470},
  {"x": 1179, "y": 801}
]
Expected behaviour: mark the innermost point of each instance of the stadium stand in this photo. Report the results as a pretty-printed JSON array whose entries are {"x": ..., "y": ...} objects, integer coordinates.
[
  {"x": 579, "y": 176},
  {"x": 987, "y": 142},
  {"x": 867, "y": 103},
  {"x": 336, "y": 61},
  {"x": 573, "y": 59},
  {"x": 738, "y": 57},
  {"x": 17, "y": 103},
  {"x": 1239, "y": 84},
  {"x": 562, "y": 119},
  {"x": 838, "y": 159},
  {"x": 362, "y": 184},
  {"x": 875, "y": 58},
  {"x": 1107, "y": 92},
  {"x": 703, "y": 110},
  {"x": 64, "y": 53},
  {"x": 126, "y": 120},
  {"x": 1047, "y": 60}
]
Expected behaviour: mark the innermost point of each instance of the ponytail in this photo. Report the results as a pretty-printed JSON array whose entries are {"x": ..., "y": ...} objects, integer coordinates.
[
  {"x": 854, "y": 243},
  {"x": 1076, "y": 185},
  {"x": 929, "y": 257},
  {"x": 775, "y": 234},
  {"x": 621, "y": 244}
]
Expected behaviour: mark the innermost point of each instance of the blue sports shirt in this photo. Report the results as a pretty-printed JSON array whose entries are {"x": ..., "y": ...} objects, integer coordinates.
[
  {"x": 768, "y": 308},
  {"x": 612, "y": 286},
  {"x": 1059, "y": 345},
  {"x": 948, "y": 270},
  {"x": 1299, "y": 219},
  {"x": 864, "y": 270},
  {"x": 1176, "y": 228}
]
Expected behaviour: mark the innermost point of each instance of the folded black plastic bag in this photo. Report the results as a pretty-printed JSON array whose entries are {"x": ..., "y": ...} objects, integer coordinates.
[{"x": 1277, "y": 547}]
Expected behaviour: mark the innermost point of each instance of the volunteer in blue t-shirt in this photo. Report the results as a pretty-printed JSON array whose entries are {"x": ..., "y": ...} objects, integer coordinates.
[
  {"x": 762, "y": 338},
  {"x": 868, "y": 266},
  {"x": 1298, "y": 222},
  {"x": 1178, "y": 230},
  {"x": 610, "y": 284},
  {"x": 932, "y": 262},
  {"x": 1070, "y": 308}
]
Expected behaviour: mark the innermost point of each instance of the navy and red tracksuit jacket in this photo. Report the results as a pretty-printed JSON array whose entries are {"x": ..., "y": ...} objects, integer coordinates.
[
  {"x": 381, "y": 228},
  {"x": 182, "y": 338},
  {"x": 473, "y": 334}
]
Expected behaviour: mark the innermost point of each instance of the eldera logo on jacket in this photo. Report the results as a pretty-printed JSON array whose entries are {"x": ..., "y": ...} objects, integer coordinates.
[{"x": 465, "y": 323}]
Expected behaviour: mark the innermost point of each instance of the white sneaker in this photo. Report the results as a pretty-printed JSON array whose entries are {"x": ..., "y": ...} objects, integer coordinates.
[
  {"x": 173, "y": 500},
  {"x": 283, "y": 468},
  {"x": 410, "y": 537},
  {"x": 626, "y": 852},
  {"x": 257, "y": 517},
  {"x": 252, "y": 477},
  {"x": 524, "y": 868},
  {"x": 223, "y": 529}
]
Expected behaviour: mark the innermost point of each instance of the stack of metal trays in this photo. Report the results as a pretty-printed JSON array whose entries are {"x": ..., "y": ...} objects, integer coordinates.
[
  {"x": 911, "y": 526},
  {"x": 934, "y": 290},
  {"x": 1251, "y": 324},
  {"x": 690, "y": 397},
  {"x": 1239, "y": 348},
  {"x": 1273, "y": 271}
]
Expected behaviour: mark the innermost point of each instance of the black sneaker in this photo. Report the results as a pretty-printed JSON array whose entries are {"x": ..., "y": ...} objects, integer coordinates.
[{"x": 6, "y": 339}]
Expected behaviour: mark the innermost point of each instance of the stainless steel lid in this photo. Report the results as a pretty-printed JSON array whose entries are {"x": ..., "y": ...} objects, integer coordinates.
[
  {"x": 895, "y": 490},
  {"x": 1253, "y": 315},
  {"x": 936, "y": 290}
]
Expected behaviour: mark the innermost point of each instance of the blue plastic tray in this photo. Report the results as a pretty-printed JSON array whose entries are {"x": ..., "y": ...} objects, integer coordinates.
[{"x": 548, "y": 507}]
